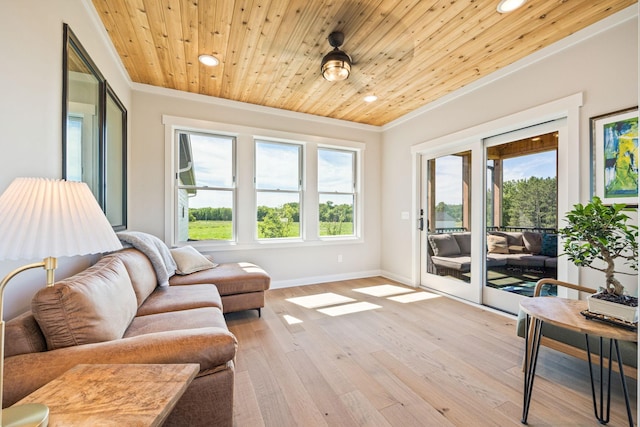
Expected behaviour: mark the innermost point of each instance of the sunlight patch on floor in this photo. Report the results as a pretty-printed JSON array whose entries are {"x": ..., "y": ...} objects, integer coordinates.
[
  {"x": 291, "y": 320},
  {"x": 320, "y": 300},
  {"x": 348, "y": 308},
  {"x": 413, "y": 297},
  {"x": 383, "y": 290}
]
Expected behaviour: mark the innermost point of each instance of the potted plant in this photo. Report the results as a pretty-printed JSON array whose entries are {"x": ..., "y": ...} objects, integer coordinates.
[{"x": 596, "y": 236}]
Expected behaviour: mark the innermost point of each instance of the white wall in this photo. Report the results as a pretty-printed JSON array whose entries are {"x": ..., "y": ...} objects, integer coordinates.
[
  {"x": 313, "y": 263},
  {"x": 31, "y": 106},
  {"x": 603, "y": 67}
]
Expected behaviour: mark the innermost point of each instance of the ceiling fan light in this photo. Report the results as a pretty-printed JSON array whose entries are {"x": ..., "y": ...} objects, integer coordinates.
[
  {"x": 506, "y": 6},
  {"x": 208, "y": 60},
  {"x": 336, "y": 66}
]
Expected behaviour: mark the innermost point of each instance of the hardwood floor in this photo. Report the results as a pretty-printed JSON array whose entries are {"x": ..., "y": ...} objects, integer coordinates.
[{"x": 431, "y": 362}]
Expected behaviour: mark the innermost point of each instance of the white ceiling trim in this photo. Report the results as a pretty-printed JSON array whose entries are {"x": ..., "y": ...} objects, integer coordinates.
[{"x": 228, "y": 103}]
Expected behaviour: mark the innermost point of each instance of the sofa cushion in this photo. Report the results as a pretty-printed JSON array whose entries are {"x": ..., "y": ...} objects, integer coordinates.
[
  {"x": 496, "y": 260},
  {"x": 444, "y": 245},
  {"x": 526, "y": 260},
  {"x": 549, "y": 245},
  {"x": 141, "y": 272},
  {"x": 464, "y": 242},
  {"x": 497, "y": 244},
  {"x": 551, "y": 262},
  {"x": 229, "y": 277},
  {"x": 189, "y": 260},
  {"x": 206, "y": 317},
  {"x": 532, "y": 241},
  {"x": 95, "y": 305},
  {"x": 175, "y": 298}
]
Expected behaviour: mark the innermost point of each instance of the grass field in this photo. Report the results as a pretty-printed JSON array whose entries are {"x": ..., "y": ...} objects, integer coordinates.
[
  {"x": 223, "y": 230},
  {"x": 210, "y": 230}
]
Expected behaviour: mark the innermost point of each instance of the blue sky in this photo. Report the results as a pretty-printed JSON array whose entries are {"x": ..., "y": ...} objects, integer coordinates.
[{"x": 277, "y": 168}]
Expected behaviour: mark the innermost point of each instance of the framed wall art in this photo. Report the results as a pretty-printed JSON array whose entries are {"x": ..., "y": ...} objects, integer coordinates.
[{"x": 614, "y": 150}]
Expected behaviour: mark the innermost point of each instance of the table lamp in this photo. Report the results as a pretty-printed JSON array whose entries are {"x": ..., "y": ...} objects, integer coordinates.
[{"x": 44, "y": 218}]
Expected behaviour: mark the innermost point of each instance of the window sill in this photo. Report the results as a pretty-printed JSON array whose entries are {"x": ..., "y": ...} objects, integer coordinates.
[{"x": 207, "y": 246}]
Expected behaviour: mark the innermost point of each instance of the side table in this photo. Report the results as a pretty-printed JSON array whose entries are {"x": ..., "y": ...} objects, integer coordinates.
[
  {"x": 116, "y": 395},
  {"x": 565, "y": 313}
]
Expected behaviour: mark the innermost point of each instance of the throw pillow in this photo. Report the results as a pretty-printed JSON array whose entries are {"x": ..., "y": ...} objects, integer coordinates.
[
  {"x": 549, "y": 245},
  {"x": 95, "y": 305},
  {"x": 532, "y": 241},
  {"x": 464, "y": 242},
  {"x": 189, "y": 260},
  {"x": 443, "y": 245},
  {"x": 497, "y": 244}
]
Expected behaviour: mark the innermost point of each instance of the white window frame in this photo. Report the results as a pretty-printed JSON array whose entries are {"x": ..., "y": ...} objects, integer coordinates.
[
  {"x": 299, "y": 191},
  {"x": 245, "y": 203},
  {"x": 178, "y": 186},
  {"x": 353, "y": 193}
]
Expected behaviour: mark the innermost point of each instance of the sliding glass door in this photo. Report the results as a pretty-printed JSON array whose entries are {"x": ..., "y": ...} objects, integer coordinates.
[
  {"x": 521, "y": 213},
  {"x": 489, "y": 215},
  {"x": 446, "y": 222}
]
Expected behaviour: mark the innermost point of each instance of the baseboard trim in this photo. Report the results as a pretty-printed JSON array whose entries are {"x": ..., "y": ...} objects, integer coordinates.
[
  {"x": 401, "y": 279},
  {"x": 314, "y": 280}
]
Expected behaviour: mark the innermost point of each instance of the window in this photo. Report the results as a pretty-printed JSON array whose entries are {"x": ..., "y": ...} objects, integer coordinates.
[
  {"x": 278, "y": 183},
  {"x": 205, "y": 186},
  {"x": 336, "y": 192},
  {"x": 232, "y": 187}
]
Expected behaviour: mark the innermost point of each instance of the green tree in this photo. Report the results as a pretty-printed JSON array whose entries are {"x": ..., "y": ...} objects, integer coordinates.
[
  {"x": 278, "y": 221},
  {"x": 530, "y": 202}
]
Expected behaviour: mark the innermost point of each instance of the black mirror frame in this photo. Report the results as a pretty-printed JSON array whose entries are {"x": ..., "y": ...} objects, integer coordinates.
[{"x": 70, "y": 41}]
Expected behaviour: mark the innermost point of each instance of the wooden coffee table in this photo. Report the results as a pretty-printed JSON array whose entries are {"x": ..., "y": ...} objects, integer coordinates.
[
  {"x": 565, "y": 313},
  {"x": 118, "y": 395}
]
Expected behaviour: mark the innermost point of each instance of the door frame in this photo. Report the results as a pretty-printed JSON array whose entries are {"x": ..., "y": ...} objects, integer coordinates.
[{"x": 568, "y": 188}]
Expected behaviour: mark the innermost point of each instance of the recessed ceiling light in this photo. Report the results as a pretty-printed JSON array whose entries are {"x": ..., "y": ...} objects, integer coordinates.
[
  {"x": 370, "y": 98},
  {"x": 509, "y": 5},
  {"x": 209, "y": 60}
]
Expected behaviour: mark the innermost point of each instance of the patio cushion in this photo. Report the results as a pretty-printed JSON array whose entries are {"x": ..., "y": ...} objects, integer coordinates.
[
  {"x": 497, "y": 244},
  {"x": 549, "y": 245},
  {"x": 464, "y": 242},
  {"x": 444, "y": 245},
  {"x": 532, "y": 241},
  {"x": 461, "y": 262}
]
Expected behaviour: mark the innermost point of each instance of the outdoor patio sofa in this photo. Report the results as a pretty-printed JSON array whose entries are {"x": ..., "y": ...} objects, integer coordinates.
[{"x": 520, "y": 251}]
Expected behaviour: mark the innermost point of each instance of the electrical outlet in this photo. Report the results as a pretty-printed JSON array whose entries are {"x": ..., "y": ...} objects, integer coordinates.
[{"x": 340, "y": 258}]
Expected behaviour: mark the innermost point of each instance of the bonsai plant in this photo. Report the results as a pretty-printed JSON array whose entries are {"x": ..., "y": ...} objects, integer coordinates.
[{"x": 600, "y": 232}]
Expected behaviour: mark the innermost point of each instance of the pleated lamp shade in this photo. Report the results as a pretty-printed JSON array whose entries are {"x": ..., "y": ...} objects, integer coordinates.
[{"x": 42, "y": 218}]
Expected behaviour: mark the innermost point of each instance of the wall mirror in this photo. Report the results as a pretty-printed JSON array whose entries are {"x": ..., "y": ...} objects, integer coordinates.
[{"x": 94, "y": 131}]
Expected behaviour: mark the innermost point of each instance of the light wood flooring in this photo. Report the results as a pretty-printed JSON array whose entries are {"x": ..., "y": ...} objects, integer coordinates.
[{"x": 432, "y": 362}]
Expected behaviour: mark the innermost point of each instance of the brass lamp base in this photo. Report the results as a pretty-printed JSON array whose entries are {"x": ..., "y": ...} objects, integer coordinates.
[{"x": 27, "y": 415}]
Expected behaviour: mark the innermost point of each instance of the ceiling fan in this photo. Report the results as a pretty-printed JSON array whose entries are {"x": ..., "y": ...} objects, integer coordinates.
[{"x": 336, "y": 65}]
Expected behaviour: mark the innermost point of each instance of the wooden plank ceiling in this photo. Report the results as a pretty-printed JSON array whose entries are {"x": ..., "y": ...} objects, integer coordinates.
[{"x": 407, "y": 52}]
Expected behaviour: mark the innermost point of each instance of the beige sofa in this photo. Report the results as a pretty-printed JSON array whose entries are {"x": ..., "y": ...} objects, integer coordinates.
[{"x": 115, "y": 312}]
